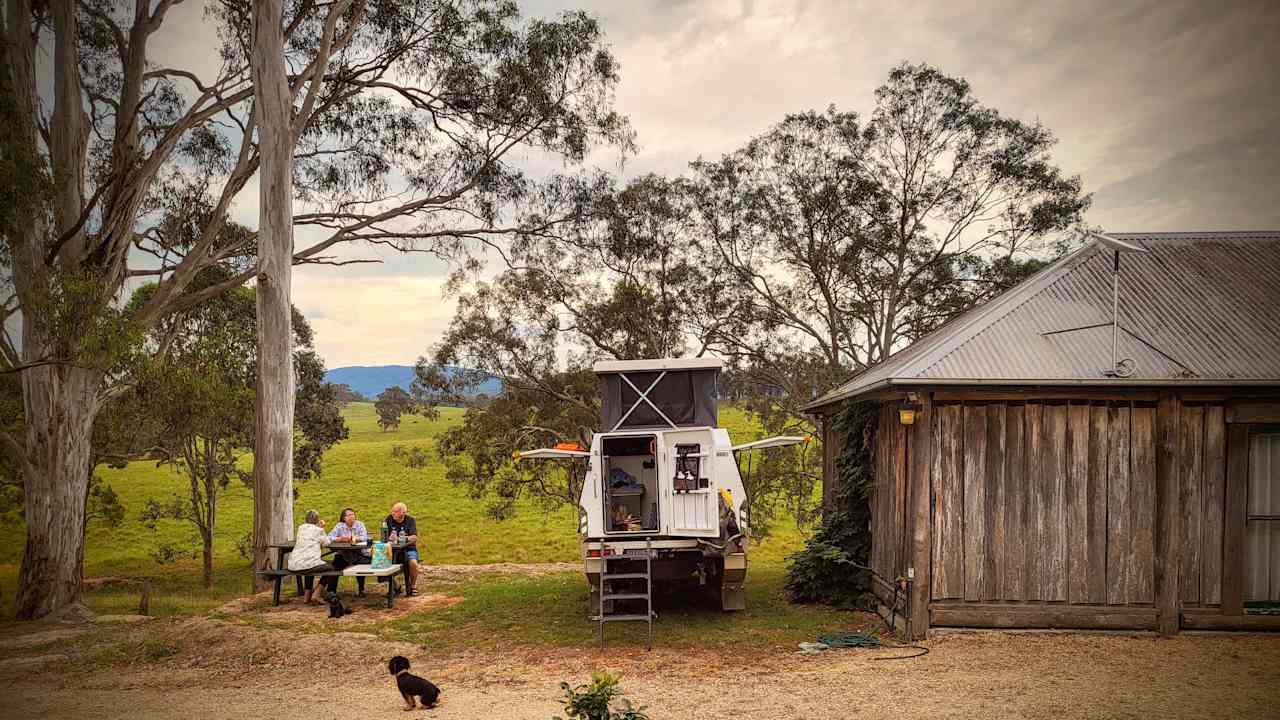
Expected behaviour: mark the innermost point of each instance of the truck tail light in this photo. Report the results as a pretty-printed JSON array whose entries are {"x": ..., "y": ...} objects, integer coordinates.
[{"x": 596, "y": 552}]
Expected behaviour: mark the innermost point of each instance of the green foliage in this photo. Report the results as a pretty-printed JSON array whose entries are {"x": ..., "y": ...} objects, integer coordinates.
[
  {"x": 390, "y": 405},
  {"x": 344, "y": 394},
  {"x": 168, "y": 553},
  {"x": 103, "y": 503},
  {"x": 478, "y": 454},
  {"x": 414, "y": 457},
  {"x": 832, "y": 566},
  {"x": 592, "y": 701}
]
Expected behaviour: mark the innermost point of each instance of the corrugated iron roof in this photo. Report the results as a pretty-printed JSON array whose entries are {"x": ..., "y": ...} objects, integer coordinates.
[{"x": 1194, "y": 308}]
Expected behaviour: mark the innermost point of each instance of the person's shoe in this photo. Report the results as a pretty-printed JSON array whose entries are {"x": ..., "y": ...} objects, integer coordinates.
[{"x": 359, "y": 593}]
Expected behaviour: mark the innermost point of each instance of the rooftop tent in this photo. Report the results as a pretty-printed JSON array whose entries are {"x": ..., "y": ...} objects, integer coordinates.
[{"x": 639, "y": 393}]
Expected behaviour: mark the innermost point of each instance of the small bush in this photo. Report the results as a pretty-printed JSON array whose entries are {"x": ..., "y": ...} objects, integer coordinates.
[
  {"x": 166, "y": 553},
  {"x": 159, "y": 649},
  {"x": 244, "y": 545},
  {"x": 592, "y": 701}
]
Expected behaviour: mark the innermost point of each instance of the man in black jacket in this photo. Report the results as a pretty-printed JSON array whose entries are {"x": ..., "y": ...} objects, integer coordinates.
[{"x": 403, "y": 525}]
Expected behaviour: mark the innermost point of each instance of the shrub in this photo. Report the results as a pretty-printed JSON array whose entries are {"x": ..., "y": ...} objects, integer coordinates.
[
  {"x": 831, "y": 567},
  {"x": 592, "y": 701}
]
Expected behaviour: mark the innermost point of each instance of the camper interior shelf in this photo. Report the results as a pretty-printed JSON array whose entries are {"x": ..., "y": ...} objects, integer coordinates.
[{"x": 631, "y": 488}]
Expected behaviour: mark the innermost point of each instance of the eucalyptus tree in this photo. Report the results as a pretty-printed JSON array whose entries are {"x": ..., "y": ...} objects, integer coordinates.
[
  {"x": 851, "y": 236},
  {"x": 403, "y": 118},
  {"x": 621, "y": 283},
  {"x": 390, "y": 405},
  {"x": 196, "y": 385}
]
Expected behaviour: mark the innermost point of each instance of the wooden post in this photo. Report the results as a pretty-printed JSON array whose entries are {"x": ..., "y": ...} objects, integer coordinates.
[
  {"x": 1233, "y": 525},
  {"x": 144, "y": 598},
  {"x": 919, "y": 451},
  {"x": 1168, "y": 559}
]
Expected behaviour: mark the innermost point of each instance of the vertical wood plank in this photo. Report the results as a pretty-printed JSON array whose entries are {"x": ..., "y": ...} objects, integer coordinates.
[
  {"x": 920, "y": 451},
  {"x": 1191, "y": 504},
  {"x": 975, "y": 499},
  {"x": 1168, "y": 555},
  {"x": 1119, "y": 511},
  {"x": 1055, "y": 467},
  {"x": 1078, "y": 538},
  {"x": 901, "y": 541},
  {"x": 877, "y": 500},
  {"x": 1215, "y": 468},
  {"x": 1144, "y": 479},
  {"x": 1036, "y": 533},
  {"x": 1015, "y": 502},
  {"x": 1235, "y": 501},
  {"x": 1096, "y": 587},
  {"x": 993, "y": 568},
  {"x": 948, "y": 558}
]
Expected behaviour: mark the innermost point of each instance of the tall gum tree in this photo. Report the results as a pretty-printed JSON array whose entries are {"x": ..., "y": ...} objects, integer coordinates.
[
  {"x": 273, "y": 446},
  {"x": 401, "y": 119}
]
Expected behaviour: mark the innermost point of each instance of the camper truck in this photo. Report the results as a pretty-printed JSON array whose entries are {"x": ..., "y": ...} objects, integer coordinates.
[{"x": 663, "y": 500}]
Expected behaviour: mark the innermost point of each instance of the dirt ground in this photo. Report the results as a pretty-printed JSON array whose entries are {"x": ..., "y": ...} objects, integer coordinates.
[{"x": 207, "y": 668}]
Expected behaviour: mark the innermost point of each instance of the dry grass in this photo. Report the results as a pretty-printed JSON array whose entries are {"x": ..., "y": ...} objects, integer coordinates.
[{"x": 205, "y": 668}]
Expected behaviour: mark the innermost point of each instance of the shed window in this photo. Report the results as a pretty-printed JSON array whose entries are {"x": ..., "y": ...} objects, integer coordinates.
[{"x": 1262, "y": 526}]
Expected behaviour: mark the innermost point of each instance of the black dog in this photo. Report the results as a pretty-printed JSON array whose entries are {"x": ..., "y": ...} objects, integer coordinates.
[
  {"x": 336, "y": 608},
  {"x": 411, "y": 686}
]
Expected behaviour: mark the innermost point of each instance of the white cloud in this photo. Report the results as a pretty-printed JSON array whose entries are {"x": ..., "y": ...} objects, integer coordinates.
[
  {"x": 388, "y": 320},
  {"x": 1152, "y": 101}
]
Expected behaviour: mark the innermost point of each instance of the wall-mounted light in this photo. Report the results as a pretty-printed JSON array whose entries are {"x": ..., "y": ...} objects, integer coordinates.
[{"x": 907, "y": 415}]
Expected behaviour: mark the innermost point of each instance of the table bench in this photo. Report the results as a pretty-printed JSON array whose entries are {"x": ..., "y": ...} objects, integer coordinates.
[
  {"x": 284, "y": 548},
  {"x": 388, "y": 573}
]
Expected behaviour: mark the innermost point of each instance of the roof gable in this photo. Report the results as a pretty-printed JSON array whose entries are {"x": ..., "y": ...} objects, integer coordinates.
[{"x": 1199, "y": 307}]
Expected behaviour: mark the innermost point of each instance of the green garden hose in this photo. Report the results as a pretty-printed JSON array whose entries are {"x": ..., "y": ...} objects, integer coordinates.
[{"x": 863, "y": 640}]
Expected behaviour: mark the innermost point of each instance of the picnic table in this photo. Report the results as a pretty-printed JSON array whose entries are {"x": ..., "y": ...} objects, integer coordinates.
[{"x": 397, "y": 549}]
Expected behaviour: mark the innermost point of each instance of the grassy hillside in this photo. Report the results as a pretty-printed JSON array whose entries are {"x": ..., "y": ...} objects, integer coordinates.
[{"x": 359, "y": 472}]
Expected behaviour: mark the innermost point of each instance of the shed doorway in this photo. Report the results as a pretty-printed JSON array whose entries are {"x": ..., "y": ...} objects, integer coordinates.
[{"x": 1262, "y": 522}]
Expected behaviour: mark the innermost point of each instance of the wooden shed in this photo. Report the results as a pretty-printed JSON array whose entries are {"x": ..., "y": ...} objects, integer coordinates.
[{"x": 1063, "y": 470}]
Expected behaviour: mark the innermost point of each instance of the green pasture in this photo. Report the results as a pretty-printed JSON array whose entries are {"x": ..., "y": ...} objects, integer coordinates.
[{"x": 359, "y": 472}]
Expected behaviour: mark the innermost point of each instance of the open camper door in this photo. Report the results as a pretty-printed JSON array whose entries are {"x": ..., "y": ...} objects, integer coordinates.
[{"x": 691, "y": 482}]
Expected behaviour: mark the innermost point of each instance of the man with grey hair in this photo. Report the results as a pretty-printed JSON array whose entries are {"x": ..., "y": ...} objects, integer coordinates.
[{"x": 404, "y": 526}]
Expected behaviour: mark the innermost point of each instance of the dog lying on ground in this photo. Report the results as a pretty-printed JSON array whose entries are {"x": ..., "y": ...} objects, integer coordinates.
[
  {"x": 336, "y": 608},
  {"x": 412, "y": 686}
]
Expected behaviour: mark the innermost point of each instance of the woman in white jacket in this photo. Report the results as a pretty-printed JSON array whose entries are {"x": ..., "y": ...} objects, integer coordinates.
[{"x": 307, "y": 549}]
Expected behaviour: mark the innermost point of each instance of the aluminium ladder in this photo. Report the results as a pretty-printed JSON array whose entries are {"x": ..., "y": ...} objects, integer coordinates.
[{"x": 609, "y": 593}]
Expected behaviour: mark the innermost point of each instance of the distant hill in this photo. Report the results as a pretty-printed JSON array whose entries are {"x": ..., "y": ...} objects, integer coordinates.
[{"x": 370, "y": 381}]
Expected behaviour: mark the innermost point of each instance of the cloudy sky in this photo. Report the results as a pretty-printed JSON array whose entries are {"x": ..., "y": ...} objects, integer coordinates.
[{"x": 1169, "y": 111}]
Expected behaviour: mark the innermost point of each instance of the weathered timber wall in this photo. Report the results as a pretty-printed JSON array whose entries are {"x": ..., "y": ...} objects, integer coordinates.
[{"x": 1053, "y": 502}]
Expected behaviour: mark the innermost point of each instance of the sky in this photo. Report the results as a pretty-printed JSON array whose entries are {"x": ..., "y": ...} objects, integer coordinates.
[{"x": 1168, "y": 110}]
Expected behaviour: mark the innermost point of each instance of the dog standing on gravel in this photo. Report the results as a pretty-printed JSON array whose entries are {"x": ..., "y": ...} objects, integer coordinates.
[{"x": 411, "y": 686}]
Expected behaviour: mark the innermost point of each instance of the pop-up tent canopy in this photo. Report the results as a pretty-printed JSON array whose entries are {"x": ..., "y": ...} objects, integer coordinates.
[{"x": 671, "y": 392}]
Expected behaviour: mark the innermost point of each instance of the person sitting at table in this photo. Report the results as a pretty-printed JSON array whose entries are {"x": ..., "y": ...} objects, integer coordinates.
[
  {"x": 403, "y": 525},
  {"x": 350, "y": 530},
  {"x": 308, "y": 546}
]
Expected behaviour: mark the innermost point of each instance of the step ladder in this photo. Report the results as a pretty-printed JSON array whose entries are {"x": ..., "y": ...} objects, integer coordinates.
[{"x": 633, "y": 578}]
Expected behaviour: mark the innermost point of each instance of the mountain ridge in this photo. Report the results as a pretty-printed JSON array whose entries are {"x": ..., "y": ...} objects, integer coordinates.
[{"x": 370, "y": 380}]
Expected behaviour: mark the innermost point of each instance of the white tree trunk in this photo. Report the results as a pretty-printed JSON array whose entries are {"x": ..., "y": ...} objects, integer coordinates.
[
  {"x": 60, "y": 403},
  {"x": 60, "y": 400},
  {"x": 273, "y": 452}
]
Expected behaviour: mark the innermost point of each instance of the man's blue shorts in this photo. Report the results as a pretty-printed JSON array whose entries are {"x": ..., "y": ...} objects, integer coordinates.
[{"x": 411, "y": 554}]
